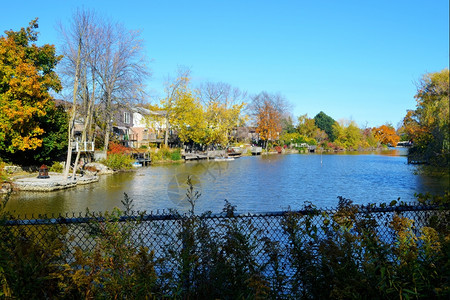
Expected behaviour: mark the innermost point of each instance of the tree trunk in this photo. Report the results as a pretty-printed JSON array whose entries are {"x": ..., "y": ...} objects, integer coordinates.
[
  {"x": 166, "y": 135},
  {"x": 108, "y": 123},
  {"x": 73, "y": 115},
  {"x": 86, "y": 125}
]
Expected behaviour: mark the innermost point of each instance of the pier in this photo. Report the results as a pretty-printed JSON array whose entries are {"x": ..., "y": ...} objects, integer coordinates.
[
  {"x": 142, "y": 158},
  {"x": 203, "y": 155},
  {"x": 256, "y": 150}
]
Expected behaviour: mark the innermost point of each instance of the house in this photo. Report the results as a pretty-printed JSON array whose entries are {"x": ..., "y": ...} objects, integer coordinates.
[
  {"x": 122, "y": 124},
  {"x": 245, "y": 134},
  {"x": 136, "y": 127},
  {"x": 148, "y": 126}
]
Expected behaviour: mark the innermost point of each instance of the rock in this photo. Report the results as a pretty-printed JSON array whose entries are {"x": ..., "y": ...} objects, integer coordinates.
[
  {"x": 97, "y": 168},
  {"x": 12, "y": 169}
]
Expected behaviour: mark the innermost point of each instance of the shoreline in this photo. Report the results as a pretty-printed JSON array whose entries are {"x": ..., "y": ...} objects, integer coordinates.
[
  {"x": 55, "y": 182},
  {"x": 30, "y": 182}
]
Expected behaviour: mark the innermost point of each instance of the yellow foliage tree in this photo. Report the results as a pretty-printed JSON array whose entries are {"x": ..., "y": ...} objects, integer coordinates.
[
  {"x": 26, "y": 75},
  {"x": 186, "y": 116},
  {"x": 348, "y": 135},
  {"x": 221, "y": 120}
]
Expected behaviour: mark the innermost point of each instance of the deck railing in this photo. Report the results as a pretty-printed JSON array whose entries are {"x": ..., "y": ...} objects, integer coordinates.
[{"x": 83, "y": 147}]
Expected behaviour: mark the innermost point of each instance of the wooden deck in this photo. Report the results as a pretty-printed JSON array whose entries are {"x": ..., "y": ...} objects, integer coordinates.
[
  {"x": 143, "y": 158},
  {"x": 256, "y": 150},
  {"x": 204, "y": 155}
]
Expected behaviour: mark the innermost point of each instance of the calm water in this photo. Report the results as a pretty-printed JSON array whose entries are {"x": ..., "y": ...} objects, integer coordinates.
[{"x": 253, "y": 184}]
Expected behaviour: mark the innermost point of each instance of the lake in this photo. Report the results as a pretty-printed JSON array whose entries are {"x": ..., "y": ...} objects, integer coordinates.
[{"x": 253, "y": 184}]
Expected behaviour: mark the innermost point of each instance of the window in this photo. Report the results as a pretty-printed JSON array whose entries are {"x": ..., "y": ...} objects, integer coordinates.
[{"x": 126, "y": 117}]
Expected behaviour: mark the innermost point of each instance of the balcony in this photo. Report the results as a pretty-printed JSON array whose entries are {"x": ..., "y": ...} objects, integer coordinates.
[{"x": 82, "y": 147}]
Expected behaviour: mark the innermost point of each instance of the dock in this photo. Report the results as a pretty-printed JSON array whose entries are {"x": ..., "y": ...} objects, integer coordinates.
[
  {"x": 203, "y": 155},
  {"x": 142, "y": 158},
  {"x": 256, "y": 150}
]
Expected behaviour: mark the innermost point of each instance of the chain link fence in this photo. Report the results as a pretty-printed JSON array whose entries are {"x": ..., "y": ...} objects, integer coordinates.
[{"x": 275, "y": 255}]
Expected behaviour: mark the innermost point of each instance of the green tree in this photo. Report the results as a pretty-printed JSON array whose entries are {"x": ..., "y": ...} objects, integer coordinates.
[
  {"x": 325, "y": 122},
  {"x": 288, "y": 125},
  {"x": 26, "y": 107}
]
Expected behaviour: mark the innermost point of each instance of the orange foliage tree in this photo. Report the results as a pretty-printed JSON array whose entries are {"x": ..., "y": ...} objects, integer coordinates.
[
  {"x": 268, "y": 115},
  {"x": 26, "y": 76},
  {"x": 386, "y": 135}
]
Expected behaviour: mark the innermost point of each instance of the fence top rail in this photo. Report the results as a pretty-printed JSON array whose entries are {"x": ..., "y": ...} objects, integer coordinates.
[{"x": 170, "y": 215}]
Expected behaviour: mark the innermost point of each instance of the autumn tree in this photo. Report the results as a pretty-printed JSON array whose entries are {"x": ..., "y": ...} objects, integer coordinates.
[
  {"x": 185, "y": 112},
  {"x": 348, "y": 135},
  {"x": 223, "y": 110},
  {"x": 386, "y": 135},
  {"x": 26, "y": 78},
  {"x": 307, "y": 126},
  {"x": 173, "y": 88},
  {"x": 268, "y": 111},
  {"x": 428, "y": 125}
]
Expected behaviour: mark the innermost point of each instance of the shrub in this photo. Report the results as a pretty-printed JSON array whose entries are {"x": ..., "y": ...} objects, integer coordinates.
[
  {"x": 176, "y": 155},
  {"x": 350, "y": 253},
  {"x": 3, "y": 175},
  {"x": 157, "y": 156},
  {"x": 166, "y": 154},
  {"x": 115, "y": 148},
  {"x": 57, "y": 167},
  {"x": 118, "y": 161}
]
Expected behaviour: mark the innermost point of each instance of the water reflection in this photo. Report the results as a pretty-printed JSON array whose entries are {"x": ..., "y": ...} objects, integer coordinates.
[{"x": 263, "y": 183}]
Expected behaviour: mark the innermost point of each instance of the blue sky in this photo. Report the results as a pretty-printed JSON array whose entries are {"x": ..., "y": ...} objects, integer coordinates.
[{"x": 355, "y": 60}]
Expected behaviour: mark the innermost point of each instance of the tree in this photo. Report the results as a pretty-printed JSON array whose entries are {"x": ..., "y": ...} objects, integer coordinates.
[
  {"x": 224, "y": 106},
  {"x": 105, "y": 65},
  {"x": 348, "y": 135},
  {"x": 76, "y": 47},
  {"x": 386, "y": 135},
  {"x": 288, "y": 125},
  {"x": 187, "y": 117},
  {"x": 428, "y": 125},
  {"x": 26, "y": 78},
  {"x": 307, "y": 126},
  {"x": 173, "y": 87},
  {"x": 268, "y": 111},
  {"x": 325, "y": 122},
  {"x": 121, "y": 69}
]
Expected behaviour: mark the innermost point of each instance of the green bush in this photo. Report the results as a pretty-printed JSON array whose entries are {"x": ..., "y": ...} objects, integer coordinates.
[
  {"x": 165, "y": 154},
  {"x": 3, "y": 175},
  {"x": 57, "y": 167},
  {"x": 118, "y": 161},
  {"x": 175, "y": 155},
  {"x": 157, "y": 156}
]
